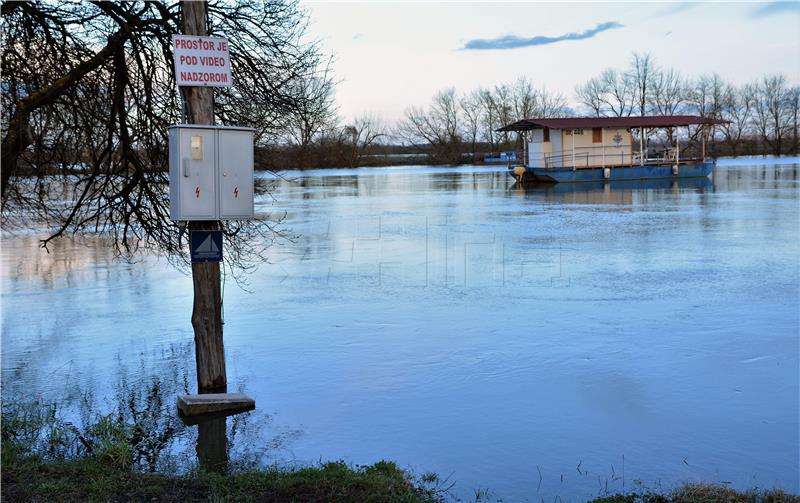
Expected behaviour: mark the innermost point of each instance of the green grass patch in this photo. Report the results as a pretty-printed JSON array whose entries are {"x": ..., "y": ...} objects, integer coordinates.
[
  {"x": 28, "y": 478},
  {"x": 703, "y": 493}
]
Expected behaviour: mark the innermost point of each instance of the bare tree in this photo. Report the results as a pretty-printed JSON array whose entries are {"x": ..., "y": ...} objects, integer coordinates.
[
  {"x": 590, "y": 95},
  {"x": 490, "y": 119},
  {"x": 641, "y": 72},
  {"x": 794, "y": 111},
  {"x": 705, "y": 97},
  {"x": 315, "y": 110},
  {"x": 668, "y": 95},
  {"x": 667, "y": 92},
  {"x": 364, "y": 131},
  {"x": 88, "y": 92},
  {"x": 471, "y": 110},
  {"x": 737, "y": 109},
  {"x": 526, "y": 104},
  {"x": 525, "y": 99},
  {"x": 612, "y": 93},
  {"x": 437, "y": 127},
  {"x": 772, "y": 107},
  {"x": 552, "y": 104},
  {"x": 503, "y": 102}
]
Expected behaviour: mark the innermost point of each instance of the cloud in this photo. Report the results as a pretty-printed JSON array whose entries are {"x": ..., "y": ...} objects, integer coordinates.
[
  {"x": 514, "y": 42},
  {"x": 771, "y": 8},
  {"x": 358, "y": 36}
]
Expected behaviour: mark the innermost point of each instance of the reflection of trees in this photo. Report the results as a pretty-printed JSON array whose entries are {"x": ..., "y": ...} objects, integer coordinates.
[
  {"x": 140, "y": 414},
  {"x": 23, "y": 261}
]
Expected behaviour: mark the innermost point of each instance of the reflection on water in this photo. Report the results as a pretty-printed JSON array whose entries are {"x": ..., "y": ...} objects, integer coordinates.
[
  {"x": 212, "y": 445},
  {"x": 140, "y": 409},
  {"x": 451, "y": 321},
  {"x": 616, "y": 192}
]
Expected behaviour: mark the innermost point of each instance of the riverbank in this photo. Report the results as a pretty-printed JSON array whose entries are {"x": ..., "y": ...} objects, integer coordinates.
[
  {"x": 119, "y": 457},
  {"x": 28, "y": 478}
]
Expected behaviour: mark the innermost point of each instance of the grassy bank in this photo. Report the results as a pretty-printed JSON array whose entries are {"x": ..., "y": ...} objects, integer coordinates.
[
  {"x": 31, "y": 479},
  {"x": 139, "y": 450},
  {"x": 135, "y": 448},
  {"x": 703, "y": 493}
]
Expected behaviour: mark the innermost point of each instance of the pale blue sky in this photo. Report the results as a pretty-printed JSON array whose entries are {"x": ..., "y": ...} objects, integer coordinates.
[{"x": 392, "y": 55}]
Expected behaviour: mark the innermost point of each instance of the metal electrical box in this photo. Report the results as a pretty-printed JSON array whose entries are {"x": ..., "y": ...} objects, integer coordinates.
[{"x": 210, "y": 172}]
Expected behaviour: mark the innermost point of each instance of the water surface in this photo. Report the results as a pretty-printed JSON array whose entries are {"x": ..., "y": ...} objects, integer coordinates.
[{"x": 535, "y": 341}]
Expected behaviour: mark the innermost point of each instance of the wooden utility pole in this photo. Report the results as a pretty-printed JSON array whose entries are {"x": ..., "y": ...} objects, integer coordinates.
[{"x": 207, "y": 309}]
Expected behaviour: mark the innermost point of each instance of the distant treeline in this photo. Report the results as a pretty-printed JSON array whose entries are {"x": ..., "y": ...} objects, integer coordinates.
[{"x": 457, "y": 127}]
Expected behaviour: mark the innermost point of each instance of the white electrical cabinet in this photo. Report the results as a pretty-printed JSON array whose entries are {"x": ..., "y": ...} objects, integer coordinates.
[{"x": 210, "y": 172}]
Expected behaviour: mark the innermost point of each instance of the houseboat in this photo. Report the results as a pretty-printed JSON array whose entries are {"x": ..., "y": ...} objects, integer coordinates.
[{"x": 597, "y": 149}]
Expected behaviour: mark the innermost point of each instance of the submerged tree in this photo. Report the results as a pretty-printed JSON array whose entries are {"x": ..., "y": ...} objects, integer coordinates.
[
  {"x": 437, "y": 127},
  {"x": 88, "y": 92},
  {"x": 314, "y": 112},
  {"x": 774, "y": 112},
  {"x": 737, "y": 109},
  {"x": 363, "y": 132},
  {"x": 453, "y": 122},
  {"x": 764, "y": 112}
]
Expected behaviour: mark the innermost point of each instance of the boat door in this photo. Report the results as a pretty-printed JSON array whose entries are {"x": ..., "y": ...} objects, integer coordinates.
[
  {"x": 556, "y": 151},
  {"x": 535, "y": 149}
]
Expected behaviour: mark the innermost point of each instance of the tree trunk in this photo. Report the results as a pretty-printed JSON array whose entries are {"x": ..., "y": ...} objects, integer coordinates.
[
  {"x": 17, "y": 139},
  {"x": 207, "y": 309}
]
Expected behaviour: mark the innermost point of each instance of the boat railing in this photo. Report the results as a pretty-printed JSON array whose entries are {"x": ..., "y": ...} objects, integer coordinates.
[{"x": 585, "y": 157}]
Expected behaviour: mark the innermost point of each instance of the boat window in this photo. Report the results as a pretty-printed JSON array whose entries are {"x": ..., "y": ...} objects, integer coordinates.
[
  {"x": 597, "y": 135},
  {"x": 547, "y": 134}
]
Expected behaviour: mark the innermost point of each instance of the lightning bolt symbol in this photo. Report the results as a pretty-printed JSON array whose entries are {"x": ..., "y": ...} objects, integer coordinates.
[
  {"x": 236, "y": 192},
  {"x": 197, "y": 192}
]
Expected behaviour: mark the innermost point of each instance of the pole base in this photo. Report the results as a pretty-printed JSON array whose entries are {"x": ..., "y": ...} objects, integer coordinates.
[{"x": 214, "y": 403}]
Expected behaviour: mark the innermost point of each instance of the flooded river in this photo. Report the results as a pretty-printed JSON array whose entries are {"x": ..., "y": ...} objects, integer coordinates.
[{"x": 538, "y": 342}]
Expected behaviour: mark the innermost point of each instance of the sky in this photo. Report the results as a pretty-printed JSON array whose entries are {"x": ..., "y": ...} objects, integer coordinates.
[{"x": 389, "y": 56}]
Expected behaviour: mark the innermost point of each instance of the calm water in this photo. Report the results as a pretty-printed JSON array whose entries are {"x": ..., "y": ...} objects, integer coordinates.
[{"x": 536, "y": 342}]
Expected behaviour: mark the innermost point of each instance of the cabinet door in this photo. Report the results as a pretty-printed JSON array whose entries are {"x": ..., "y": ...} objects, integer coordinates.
[
  {"x": 198, "y": 191},
  {"x": 235, "y": 174}
]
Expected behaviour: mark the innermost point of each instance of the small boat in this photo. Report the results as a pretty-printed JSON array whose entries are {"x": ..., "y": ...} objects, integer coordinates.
[{"x": 597, "y": 149}]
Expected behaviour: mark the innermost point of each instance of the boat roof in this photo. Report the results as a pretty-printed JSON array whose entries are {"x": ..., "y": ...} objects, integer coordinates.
[{"x": 654, "y": 121}]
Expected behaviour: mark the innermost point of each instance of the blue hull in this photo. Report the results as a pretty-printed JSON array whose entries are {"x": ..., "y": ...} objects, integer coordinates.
[{"x": 652, "y": 172}]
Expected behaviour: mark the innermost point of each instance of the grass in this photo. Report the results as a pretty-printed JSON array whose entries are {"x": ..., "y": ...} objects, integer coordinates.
[
  {"x": 703, "y": 493},
  {"x": 29, "y": 478},
  {"x": 119, "y": 456},
  {"x": 106, "y": 474}
]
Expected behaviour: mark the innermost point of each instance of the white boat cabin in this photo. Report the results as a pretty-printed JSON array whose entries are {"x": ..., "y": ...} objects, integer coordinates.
[{"x": 592, "y": 142}]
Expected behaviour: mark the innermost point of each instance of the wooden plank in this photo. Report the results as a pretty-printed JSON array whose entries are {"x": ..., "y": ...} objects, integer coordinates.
[{"x": 214, "y": 403}]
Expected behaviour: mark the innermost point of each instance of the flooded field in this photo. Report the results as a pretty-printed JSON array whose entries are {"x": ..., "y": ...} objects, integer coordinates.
[{"x": 539, "y": 342}]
